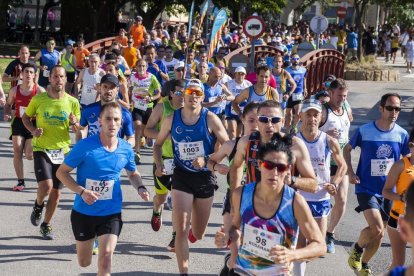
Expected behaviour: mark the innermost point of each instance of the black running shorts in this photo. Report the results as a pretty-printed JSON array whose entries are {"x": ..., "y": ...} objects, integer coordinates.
[
  {"x": 45, "y": 169},
  {"x": 199, "y": 184}
]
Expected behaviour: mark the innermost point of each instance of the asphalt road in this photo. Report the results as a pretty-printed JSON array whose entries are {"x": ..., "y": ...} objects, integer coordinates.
[{"x": 141, "y": 251}]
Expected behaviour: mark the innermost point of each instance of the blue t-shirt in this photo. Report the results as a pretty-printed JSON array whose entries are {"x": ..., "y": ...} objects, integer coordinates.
[
  {"x": 100, "y": 170},
  {"x": 90, "y": 115},
  {"x": 299, "y": 77},
  {"x": 379, "y": 150},
  {"x": 162, "y": 68},
  {"x": 211, "y": 94}
]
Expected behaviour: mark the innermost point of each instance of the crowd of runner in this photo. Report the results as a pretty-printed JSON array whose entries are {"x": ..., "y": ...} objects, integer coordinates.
[{"x": 285, "y": 150}]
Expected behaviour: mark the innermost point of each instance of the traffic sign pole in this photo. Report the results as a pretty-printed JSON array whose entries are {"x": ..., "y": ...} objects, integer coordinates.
[{"x": 252, "y": 54}]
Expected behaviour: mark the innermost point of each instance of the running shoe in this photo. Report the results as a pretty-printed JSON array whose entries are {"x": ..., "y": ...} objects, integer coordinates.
[
  {"x": 46, "y": 231},
  {"x": 354, "y": 260},
  {"x": 95, "y": 247},
  {"x": 137, "y": 158},
  {"x": 191, "y": 237},
  {"x": 330, "y": 244},
  {"x": 156, "y": 221},
  {"x": 225, "y": 270},
  {"x": 36, "y": 215},
  {"x": 171, "y": 245},
  {"x": 19, "y": 187},
  {"x": 365, "y": 271}
]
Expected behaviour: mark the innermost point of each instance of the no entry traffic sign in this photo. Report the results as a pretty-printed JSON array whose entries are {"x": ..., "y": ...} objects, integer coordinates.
[{"x": 253, "y": 26}]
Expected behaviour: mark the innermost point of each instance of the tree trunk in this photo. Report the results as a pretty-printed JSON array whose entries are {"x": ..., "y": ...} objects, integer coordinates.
[
  {"x": 360, "y": 8},
  {"x": 3, "y": 20}
]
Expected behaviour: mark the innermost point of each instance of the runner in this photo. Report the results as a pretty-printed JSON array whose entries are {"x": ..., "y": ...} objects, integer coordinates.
[
  {"x": 382, "y": 142},
  {"x": 267, "y": 216},
  {"x": 90, "y": 113},
  {"x": 48, "y": 59},
  {"x": 69, "y": 63},
  {"x": 123, "y": 96},
  {"x": 259, "y": 92},
  {"x": 155, "y": 66},
  {"x": 144, "y": 90},
  {"x": 336, "y": 122},
  {"x": 406, "y": 224},
  {"x": 162, "y": 182},
  {"x": 236, "y": 86},
  {"x": 270, "y": 122},
  {"x": 228, "y": 149},
  {"x": 55, "y": 111},
  {"x": 81, "y": 55},
  {"x": 89, "y": 78},
  {"x": 194, "y": 131},
  {"x": 98, "y": 203},
  {"x": 20, "y": 96},
  {"x": 322, "y": 149},
  {"x": 216, "y": 94},
  {"x": 399, "y": 179},
  {"x": 137, "y": 31},
  {"x": 178, "y": 74},
  {"x": 282, "y": 77},
  {"x": 13, "y": 72},
  {"x": 294, "y": 102}
]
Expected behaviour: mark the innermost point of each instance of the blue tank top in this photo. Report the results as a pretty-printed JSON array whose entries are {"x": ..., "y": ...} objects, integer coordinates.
[
  {"x": 283, "y": 223},
  {"x": 254, "y": 97},
  {"x": 398, "y": 271},
  {"x": 211, "y": 94},
  {"x": 190, "y": 142},
  {"x": 50, "y": 59},
  {"x": 299, "y": 77}
]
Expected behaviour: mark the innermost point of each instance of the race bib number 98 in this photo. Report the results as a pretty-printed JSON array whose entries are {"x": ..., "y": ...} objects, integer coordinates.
[
  {"x": 191, "y": 150},
  {"x": 104, "y": 187},
  {"x": 259, "y": 241}
]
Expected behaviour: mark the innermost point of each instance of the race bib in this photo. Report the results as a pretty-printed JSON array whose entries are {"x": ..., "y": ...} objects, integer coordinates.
[
  {"x": 297, "y": 97},
  {"x": 191, "y": 150},
  {"x": 56, "y": 156},
  {"x": 381, "y": 167},
  {"x": 259, "y": 241},
  {"x": 90, "y": 89},
  {"x": 22, "y": 109},
  {"x": 169, "y": 166},
  {"x": 141, "y": 104},
  {"x": 212, "y": 99},
  {"x": 46, "y": 73},
  {"x": 104, "y": 187}
]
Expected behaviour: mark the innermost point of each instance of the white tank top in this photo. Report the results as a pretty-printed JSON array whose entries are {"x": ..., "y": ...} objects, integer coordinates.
[
  {"x": 320, "y": 156},
  {"x": 88, "y": 94},
  {"x": 340, "y": 122}
]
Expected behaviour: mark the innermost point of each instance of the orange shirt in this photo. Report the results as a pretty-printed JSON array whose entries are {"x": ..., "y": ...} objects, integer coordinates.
[
  {"x": 403, "y": 183},
  {"x": 122, "y": 40},
  {"x": 137, "y": 33},
  {"x": 131, "y": 56},
  {"x": 80, "y": 55}
]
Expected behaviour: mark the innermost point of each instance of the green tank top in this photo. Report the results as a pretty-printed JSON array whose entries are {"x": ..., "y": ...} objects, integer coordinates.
[
  {"x": 168, "y": 109},
  {"x": 66, "y": 64}
]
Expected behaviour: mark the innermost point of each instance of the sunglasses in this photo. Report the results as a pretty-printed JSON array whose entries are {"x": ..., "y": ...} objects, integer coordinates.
[
  {"x": 295, "y": 58},
  {"x": 179, "y": 69},
  {"x": 392, "y": 108},
  {"x": 178, "y": 93},
  {"x": 197, "y": 93},
  {"x": 266, "y": 120},
  {"x": 269, "y": 165}
]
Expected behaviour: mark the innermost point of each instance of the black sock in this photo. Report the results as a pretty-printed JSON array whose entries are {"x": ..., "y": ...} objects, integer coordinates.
[
  {"x": 44, "y": 224},
  {"x": 39, "y": 206},
  {"x": 358, "y": 248},
  {"x": 156, "y": 213},
  {"x": 364, "y": 265},
  {"x": 329, "y": 234},
  {"x": 20, "y": 181},
  {"x": 174, "y": 234}
]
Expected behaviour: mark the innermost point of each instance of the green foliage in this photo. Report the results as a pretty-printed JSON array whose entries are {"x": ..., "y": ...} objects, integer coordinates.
[{"x": 403, "y": 15}]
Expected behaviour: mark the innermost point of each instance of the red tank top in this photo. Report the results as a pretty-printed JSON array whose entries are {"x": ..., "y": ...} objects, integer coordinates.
[{"x": 22, "y": 101}]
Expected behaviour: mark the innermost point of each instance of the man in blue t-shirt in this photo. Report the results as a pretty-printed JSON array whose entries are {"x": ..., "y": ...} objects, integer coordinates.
[
  {"x": 90, "y": 114},
  {"x": 352, "y": 43},
  {"x": 99, "y": 160},
  {"x": 382, "y": 142},
  {"x": 294, "y": 103},
  {"x": 155, "y": 66}
]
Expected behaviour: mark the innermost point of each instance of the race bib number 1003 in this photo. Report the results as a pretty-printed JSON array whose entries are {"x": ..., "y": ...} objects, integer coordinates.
[{"x": 191, "y": 150}]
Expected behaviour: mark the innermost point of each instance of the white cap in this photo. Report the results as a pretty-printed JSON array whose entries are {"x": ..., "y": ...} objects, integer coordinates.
[
  {"x": 240, "y": 69},
  {"x": 179, "y": 65},
  {"x": 311, "y": 104}
]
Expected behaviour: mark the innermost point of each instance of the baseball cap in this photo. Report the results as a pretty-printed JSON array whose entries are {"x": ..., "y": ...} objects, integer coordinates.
[
  {"x": 110, "y": 78},
  {"x": 179, "y": 64},
  {"x": 321, "y": 93},
  {"x": 139, "y": 18},
  {"x": 311, "y": 104},
  {"x": 197, "y": 83},
  {"x": 240, "y": 69},
  {"x": 69, "y": 42}
]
